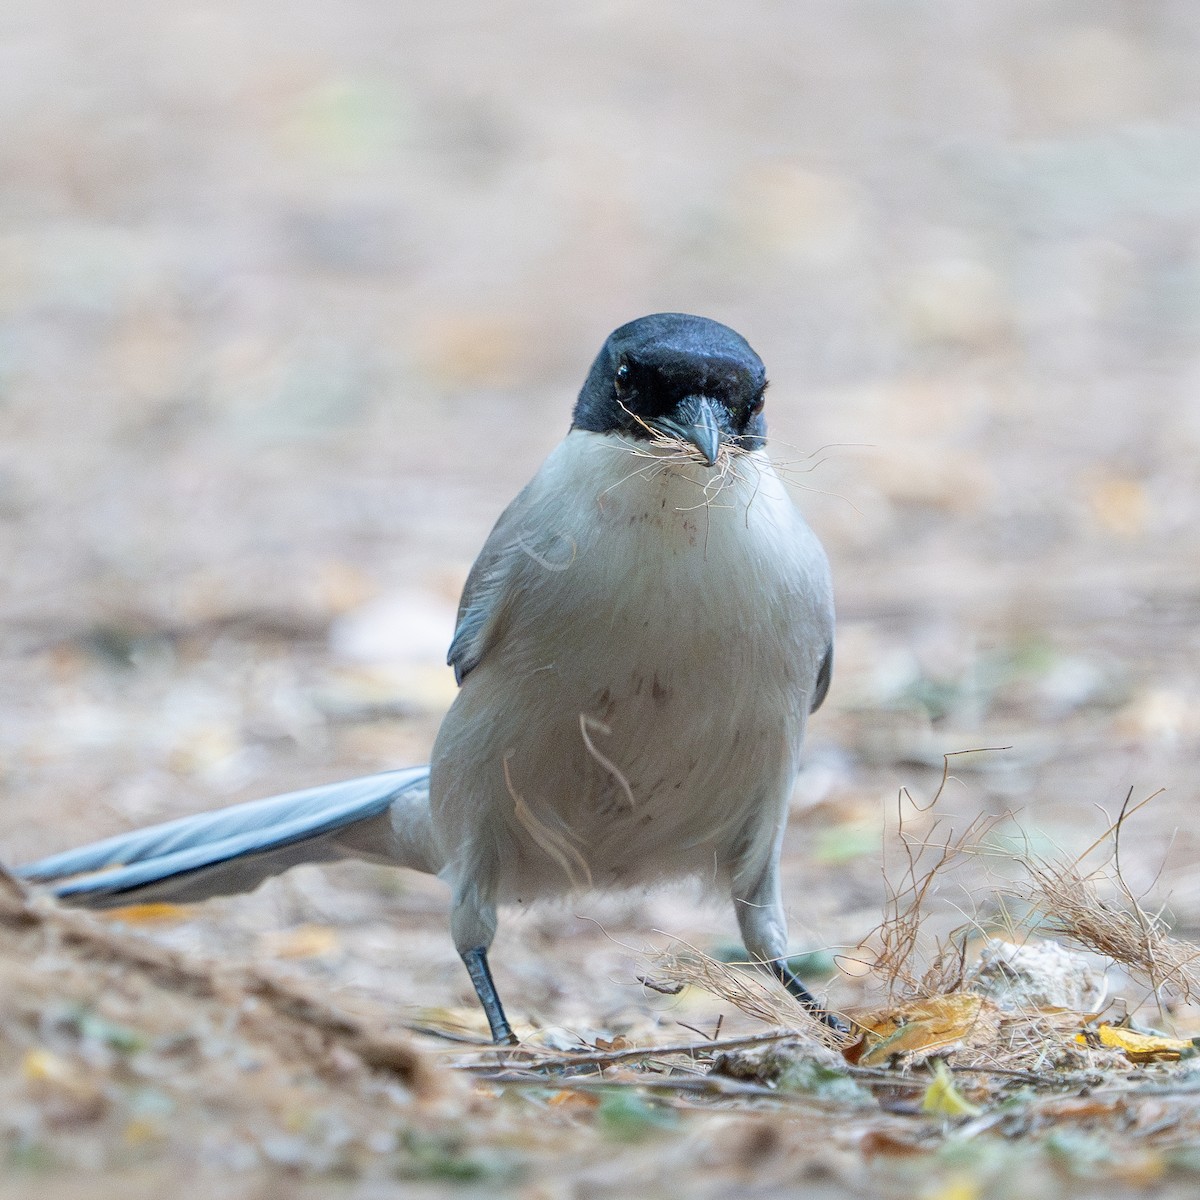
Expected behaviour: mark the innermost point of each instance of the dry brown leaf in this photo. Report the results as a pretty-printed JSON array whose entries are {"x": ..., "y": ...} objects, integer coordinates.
[
  {"x": 579, "y": 1100},
  {"x": 877, "y": 1142},
  {"x": 921, "y": 1028},
  {"x": 617, "y": 1043}
]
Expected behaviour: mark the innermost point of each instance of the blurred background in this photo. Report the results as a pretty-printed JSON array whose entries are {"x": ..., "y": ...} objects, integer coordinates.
[{"x": 296, "y": 296}]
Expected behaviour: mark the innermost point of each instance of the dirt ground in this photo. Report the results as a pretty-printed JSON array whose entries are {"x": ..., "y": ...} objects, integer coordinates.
[{"x": 296, "y": 297}]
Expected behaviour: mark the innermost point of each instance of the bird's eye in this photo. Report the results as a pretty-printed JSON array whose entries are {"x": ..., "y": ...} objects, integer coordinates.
[
  {"x": 621, "y": 379},
  {"x": 756, "y": 405}
]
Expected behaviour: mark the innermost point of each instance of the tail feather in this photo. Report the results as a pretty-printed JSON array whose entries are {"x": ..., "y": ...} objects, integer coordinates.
[{"x": 382, "y": 817}]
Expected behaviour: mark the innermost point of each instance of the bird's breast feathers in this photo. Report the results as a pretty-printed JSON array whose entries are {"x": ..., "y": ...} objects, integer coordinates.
[
  {"x": 624, "y": 536},
  {"x": 648, "y": 683}
]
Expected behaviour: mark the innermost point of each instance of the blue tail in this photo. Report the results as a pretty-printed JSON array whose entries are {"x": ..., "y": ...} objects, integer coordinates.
[{"x": 384, "y": 818}]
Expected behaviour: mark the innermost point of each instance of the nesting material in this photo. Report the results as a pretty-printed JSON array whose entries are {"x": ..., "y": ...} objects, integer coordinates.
[{"x": 1120, "y": 929}]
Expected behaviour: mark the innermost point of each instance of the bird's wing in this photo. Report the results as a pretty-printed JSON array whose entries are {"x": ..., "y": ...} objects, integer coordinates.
[
  {"x": 488, "y": 590},
  {"x": 818, "y": 593},
  {"x": 824, "y": 675}
]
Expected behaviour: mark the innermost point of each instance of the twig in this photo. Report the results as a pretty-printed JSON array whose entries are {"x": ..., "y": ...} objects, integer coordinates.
[
  {"x": 709, "y": 1085},
  {"x": 569, "y": 1058},
  {"x": 1010, "y": 1073},
  {"x": 466, "y": 1039},
  {"x": 708, "y": 1037},
  {"x": 664, "y": 989}
]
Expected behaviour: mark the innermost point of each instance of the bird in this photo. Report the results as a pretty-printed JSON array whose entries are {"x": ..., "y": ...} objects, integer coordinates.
[{"x": 639, "y": 645}]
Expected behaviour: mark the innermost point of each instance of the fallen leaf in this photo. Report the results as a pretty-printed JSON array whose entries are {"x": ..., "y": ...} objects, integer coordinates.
[
  {"x": 920, "y": 1028},
  {"x": 568, "y": 1099},
  {"x": 1140, "y": 1047},
  {"x": 53, "y": 1076},
  {"x": 617, "y": 1043},
  {"x": 882, "y": 1141},
  {"x": 1082, "y": 1108},
  {"x": 160, "y": 912},
  {"x": 305, "y": 941},
  {"x": 943, "y": 1099},
  {"x": 957, "y": 1187},
  {"x": 41, "y": 1066}
]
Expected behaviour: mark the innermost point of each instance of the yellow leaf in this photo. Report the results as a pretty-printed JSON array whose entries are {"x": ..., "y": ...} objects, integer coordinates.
[
  {"x": 139, "y": 1131},
  {"x": 40, "y": 1066},
  {"x": 1140, "y": 1047},
  {"x": 923, "y": 1027},
  {"x": 957, "y": 1187},
  {"x": 305, "y": 941},
  {"x": 50, "y": 1073},
  {"x": 150, "y": 914},
  {"x": 943, "y": 1099}
]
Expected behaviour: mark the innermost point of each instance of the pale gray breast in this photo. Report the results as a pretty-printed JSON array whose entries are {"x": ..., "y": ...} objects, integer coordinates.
[{"x": 647, "y": 684}]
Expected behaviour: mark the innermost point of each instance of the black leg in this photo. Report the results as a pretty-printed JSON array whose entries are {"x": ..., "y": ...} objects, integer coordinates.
[
  {"x": 481, "y": 976},
  {"x": 780, "y": 970}
]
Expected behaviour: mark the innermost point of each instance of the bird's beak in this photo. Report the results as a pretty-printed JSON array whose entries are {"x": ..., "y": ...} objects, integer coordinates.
[{"x": 694, "y": 421}]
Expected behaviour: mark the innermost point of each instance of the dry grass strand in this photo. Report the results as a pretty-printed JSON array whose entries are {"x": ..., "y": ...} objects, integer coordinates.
[{"x": 927, "y": 860}]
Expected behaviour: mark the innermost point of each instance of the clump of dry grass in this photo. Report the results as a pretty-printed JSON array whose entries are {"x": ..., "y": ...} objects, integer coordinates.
[
  {"x": 755, "y": 996},
  {"x": 900, "y": 960},
  {"x": 1074, "y": 910},
  {"x": 1074, "y": 906},
  {"x": 1094, "y": 910}
]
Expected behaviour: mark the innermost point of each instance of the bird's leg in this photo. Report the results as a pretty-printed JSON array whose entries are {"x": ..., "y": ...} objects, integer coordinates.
[
  {"x": 485, "y": 988},
  {"x": 473, "y": 925},
  {"x": 759, "y": 909},
  {"x": 795, "y": 987}
]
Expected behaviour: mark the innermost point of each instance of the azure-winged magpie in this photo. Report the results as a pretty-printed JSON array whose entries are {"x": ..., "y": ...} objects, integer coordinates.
[{"x": 639, "y": 645}]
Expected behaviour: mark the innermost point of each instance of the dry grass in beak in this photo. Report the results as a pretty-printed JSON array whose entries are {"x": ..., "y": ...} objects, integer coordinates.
[{"x": 664, "y": 453}]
